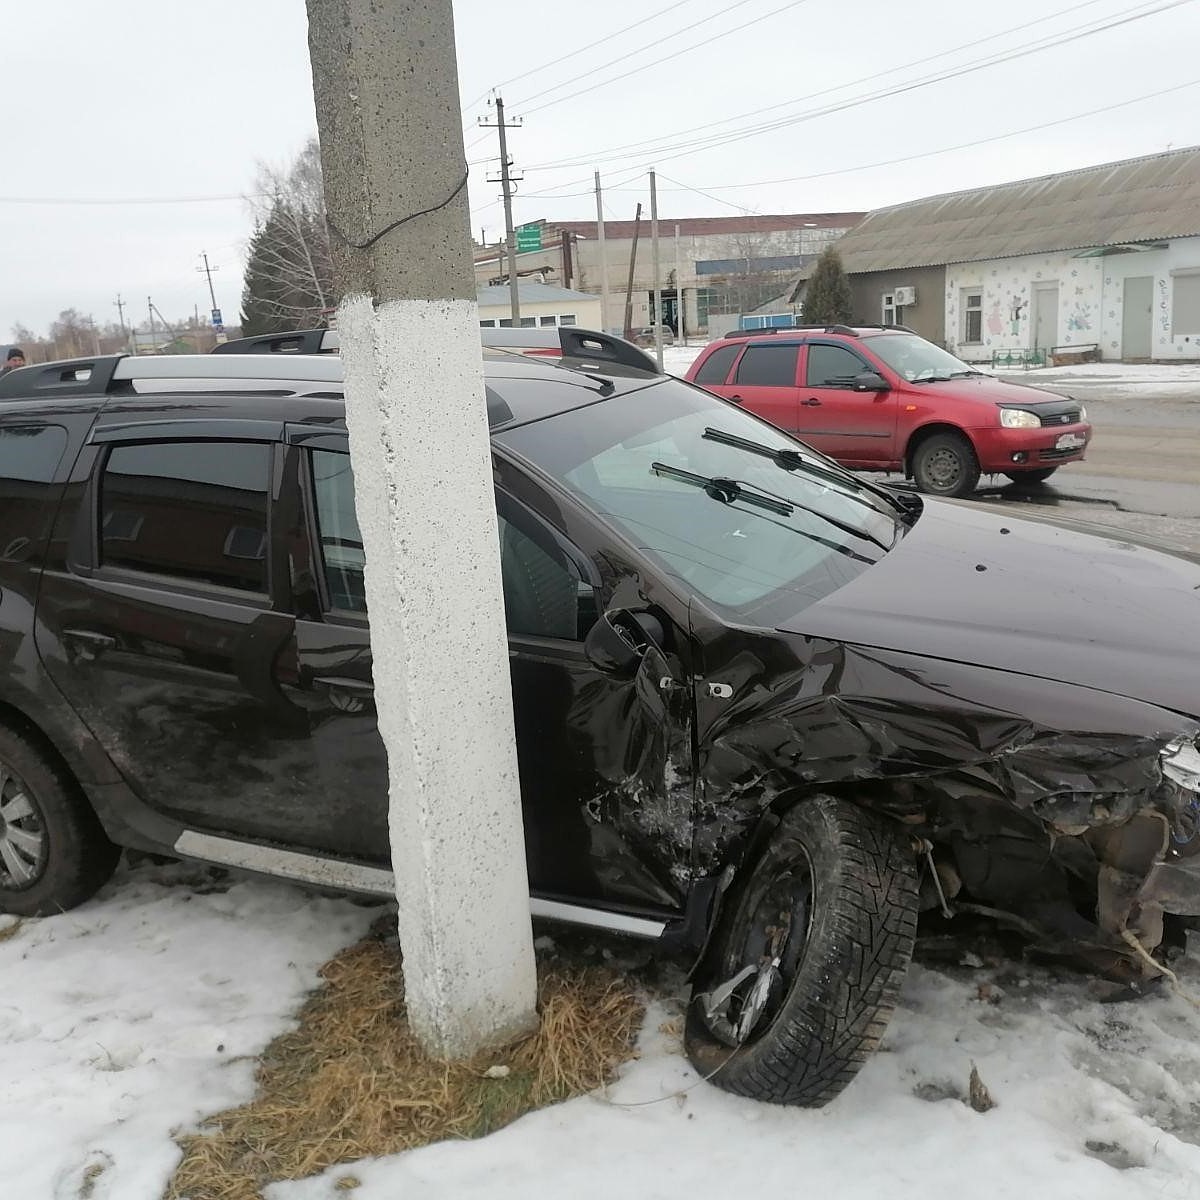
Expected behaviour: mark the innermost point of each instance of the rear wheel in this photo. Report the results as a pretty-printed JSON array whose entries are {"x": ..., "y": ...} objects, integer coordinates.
[
  {"x": 944, "y": 464},
  {"x": 1038, "y": 476},
  {"x": 809, "y": 959},
  {"x": 53, "y": 853}
]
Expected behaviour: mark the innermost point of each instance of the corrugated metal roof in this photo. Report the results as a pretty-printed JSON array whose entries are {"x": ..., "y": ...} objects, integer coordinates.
[
  {"x": 530, "y": 293},
  {"x": 1137, "y": 200}
]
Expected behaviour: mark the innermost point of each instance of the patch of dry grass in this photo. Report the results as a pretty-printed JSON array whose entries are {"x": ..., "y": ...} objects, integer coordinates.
[
  {"x": 11, "y": 929},
  {"x": 351, "y": 1081}
]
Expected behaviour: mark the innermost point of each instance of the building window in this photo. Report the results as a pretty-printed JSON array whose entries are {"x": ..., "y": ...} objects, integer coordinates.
[
  {"x": 528, "y": 322},
  {"x": 1185, "y": 304},
  {"x": 567, "y": 319},
  {"x": 549, "y": 320},
  {"x": 505, "y": 322},
  {"x": 487, "y": 324},
  {"x": 972, "y": 318},
  {"x": 893, "y": 313}
]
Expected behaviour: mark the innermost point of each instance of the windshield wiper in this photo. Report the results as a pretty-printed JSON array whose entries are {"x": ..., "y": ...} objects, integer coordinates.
[
  {"x": 728, "y": 490},
  {"x": 793, "y": 460},
  {"x": 963, "y": 374},
  {"x": 725, "y": 490}
]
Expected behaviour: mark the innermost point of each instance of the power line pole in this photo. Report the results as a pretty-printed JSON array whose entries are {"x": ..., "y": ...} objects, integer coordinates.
[
  {"x": 150, "y": 310},
  {"x": 217, "y": 322},
  {"x": 120, "y": 305},
  {"x": 679, "y": 310},
  {"x": 506, "y": 181},
  {"x": 385, "y": 83},
  {"x": 658, "y": 314},
  {"x": 603, "y": 257},
  {"x": 637, "y": 225}
]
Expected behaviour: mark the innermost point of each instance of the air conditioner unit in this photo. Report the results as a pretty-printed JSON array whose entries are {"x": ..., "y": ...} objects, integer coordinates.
[{"x": 904, "y": 296}]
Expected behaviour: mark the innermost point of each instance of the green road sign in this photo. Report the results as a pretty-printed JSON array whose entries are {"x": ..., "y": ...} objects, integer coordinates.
[{"x": 529, "y": 237}]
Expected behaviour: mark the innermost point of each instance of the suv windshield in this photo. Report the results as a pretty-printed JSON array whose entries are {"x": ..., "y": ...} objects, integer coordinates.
[
  {"x": 917, "y": 360},
  {"x": 733, "y": 525}
]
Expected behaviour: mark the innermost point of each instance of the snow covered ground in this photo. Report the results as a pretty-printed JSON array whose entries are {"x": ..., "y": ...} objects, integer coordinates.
[{"x": 140, "y": 1013}]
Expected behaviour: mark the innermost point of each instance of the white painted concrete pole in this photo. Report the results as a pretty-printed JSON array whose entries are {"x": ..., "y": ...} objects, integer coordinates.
[
  {"x": 603, "y": 257},
  {"x": 386, "y": 88},
  {"x": 658, "y": 315}
]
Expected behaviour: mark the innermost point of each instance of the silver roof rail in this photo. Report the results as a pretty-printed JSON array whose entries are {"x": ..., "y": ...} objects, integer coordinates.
[{"x": 307, "y": 368}]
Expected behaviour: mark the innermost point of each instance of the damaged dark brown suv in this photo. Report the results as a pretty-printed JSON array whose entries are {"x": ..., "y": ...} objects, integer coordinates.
[{"x": 764, "y": 710}]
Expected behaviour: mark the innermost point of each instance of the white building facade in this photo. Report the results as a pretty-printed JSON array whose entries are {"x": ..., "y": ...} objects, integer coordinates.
[{"x": 1134, "y": 302}]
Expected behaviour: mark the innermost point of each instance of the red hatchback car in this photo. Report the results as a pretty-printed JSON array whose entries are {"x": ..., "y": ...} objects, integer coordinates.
[{"x": 881, "y": 398}]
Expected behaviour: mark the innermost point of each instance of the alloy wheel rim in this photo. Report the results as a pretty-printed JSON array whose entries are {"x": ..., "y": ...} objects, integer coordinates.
[
  {"x": 775, "y": 929},
  {"x": 22, "y": 833}
]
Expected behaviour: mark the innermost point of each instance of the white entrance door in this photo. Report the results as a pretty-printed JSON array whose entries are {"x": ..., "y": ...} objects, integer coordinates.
[
  {"x": 1136, "y": 333},
  {"x": 1045, "y": 316}
]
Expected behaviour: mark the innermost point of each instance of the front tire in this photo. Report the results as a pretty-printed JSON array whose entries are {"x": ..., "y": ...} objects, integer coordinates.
[
  {"x": 945, "y": 465},
  {"x": 841, "y": 885},
  {"x": 53, "y": 852}
]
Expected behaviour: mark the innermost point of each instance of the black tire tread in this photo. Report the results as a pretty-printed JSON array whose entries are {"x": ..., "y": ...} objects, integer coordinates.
[
  {"x": 81, "y": 858},
  {"x": 849, "y": 984}
]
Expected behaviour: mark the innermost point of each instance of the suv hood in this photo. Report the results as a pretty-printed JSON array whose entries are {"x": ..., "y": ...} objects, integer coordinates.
[{"x": 1039, "y": 596}]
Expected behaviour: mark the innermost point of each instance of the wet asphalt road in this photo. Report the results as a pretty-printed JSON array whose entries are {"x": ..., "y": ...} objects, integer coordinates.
[{"x": 1142, "y": 470}]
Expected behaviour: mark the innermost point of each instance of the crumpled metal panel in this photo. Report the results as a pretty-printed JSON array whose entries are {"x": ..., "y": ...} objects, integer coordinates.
[{"x": 840, "y": 715}]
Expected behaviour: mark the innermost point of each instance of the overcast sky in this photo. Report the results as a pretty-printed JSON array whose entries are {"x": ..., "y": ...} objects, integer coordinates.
[{"x": 165, "y": 101}]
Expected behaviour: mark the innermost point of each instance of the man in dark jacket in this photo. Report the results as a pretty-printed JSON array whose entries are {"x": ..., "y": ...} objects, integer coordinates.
[{"x": 14, "y": 359}]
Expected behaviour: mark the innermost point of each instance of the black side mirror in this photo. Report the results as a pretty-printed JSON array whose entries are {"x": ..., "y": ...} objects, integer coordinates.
[
  {"x": 618, "y": 641},
  {"x": 870, "y": 381}
]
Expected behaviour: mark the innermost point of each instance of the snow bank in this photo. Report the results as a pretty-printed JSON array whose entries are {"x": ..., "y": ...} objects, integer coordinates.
[
  {"x": 1095, "y": 1102},
  {"x": 141, "y": 1012}
]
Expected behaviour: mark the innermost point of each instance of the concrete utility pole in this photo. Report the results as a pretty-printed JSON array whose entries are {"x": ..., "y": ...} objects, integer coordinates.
[
  {"x": 120, "y": 304},
  {"x": 386, "y": 87},
  {"x": 218, "y": 327},
  {"x": 506, "y": 181},
  {"x": 637, "y": 225},
  {"x": 603, "y": 257},
  {"x": 658, "y": 313},
  {"x": 150, "y": 310},
  {"x": 679, "y": 309}
]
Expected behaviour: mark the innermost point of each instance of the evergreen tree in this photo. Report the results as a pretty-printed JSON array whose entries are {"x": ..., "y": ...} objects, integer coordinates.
[{"x": 827, "y": 298}]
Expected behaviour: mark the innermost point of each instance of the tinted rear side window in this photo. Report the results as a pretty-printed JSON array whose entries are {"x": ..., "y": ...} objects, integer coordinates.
[
  {"x": 715, "y": 368},
  {"x": 29, "y": 456},
  {"x": 768, "y": 366},
  {"x": 195, "y": 510}
]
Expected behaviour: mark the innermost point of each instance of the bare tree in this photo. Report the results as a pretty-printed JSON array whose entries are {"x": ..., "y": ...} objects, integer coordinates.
[{"x": 289, "y": 273}]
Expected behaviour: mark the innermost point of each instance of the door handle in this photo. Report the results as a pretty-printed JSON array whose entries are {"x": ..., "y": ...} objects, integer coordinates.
[
  {"x": 811, "y": 402},
  {"x": 88, "y": 644}
]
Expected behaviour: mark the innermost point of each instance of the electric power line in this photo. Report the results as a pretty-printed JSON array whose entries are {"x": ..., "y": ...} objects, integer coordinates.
[
  {"x": 655, "y": 62},
  {"x": 709, "y": 125},
  {"x": 662, "y": 12},
  {"x": 713, "y": 141},
  {"x": 998, "y": 137}
]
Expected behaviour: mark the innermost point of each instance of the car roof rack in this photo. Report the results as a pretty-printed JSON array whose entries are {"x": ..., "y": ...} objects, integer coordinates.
[
  {"x": 301, "y": 341},
  {"x": 117, "y": 373},
  {"x": 847, "y": 330},
  {"x": 744, "y": 333},
  {"x": 561, "y": 341}
]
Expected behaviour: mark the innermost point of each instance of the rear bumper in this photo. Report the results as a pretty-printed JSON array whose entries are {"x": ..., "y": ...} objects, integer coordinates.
[{"x": 1002, "y": 450}]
